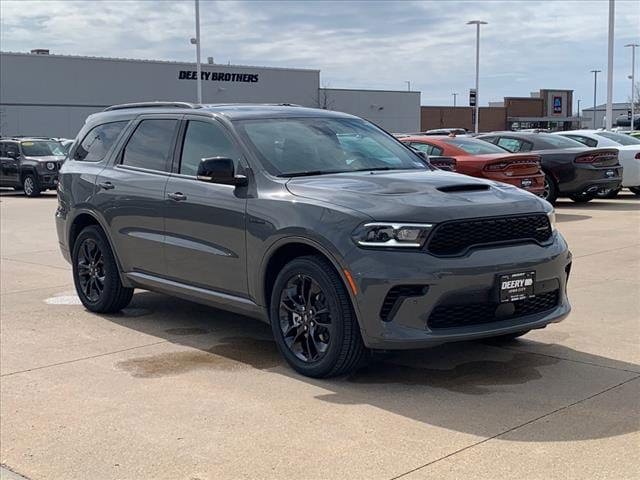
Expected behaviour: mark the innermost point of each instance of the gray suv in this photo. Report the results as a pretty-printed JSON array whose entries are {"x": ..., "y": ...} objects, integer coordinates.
[
  {"x": 318, "y": 222},
  {"x": 30, "y": 164}
]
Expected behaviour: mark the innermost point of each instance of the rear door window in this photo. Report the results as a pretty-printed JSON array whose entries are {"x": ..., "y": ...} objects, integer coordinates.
[
  {"x": 151, "y": 145},
  {"x": 98, "y": 142}
]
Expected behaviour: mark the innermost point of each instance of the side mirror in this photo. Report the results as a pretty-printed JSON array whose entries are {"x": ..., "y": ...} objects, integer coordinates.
[{"x": 219, "y": 170}]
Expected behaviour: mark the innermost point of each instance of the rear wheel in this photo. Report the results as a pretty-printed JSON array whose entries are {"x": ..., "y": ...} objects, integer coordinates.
[
  {"x": 95, "y": 273},
  {"x": 313, "y": 320},
  {"x": 30, "y": 185},
  {"x": 550, "y": 193},
  {"x": 635, "y": 190}
]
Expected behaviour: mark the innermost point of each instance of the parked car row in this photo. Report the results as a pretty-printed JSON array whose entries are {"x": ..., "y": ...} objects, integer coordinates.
[{"x": 581, "y": 165}]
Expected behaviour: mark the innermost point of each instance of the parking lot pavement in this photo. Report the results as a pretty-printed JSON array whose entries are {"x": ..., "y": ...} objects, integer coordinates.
[{"x": 171, "y": 389}]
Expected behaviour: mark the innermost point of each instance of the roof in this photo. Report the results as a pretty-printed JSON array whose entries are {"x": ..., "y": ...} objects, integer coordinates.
[
  {"x": 233, "y": 111},
  {"x": 616, "y": 106},
  {"x": 140, "y": 60}
]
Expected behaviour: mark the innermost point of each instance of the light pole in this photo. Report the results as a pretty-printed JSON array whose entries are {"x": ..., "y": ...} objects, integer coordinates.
[
  {"x": 595, "y": 89},
  {"x": 408, "y": 85},
  {"x": 196, "y": 42},
  {"x": 609, "y": 114},
  {"x": 579, "y": 122},
  {"x": 633, "y": 78},
  {"x": 454, "y": 98},
  {"x": 477, "y": 23}
]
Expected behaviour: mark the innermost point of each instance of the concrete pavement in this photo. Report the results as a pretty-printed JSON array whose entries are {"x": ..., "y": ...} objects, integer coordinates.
[{"x": 170, "y": 389}]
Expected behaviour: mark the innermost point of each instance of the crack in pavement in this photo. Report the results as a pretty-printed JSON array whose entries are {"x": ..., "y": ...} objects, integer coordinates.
[
  {"x": 512, "y": 429},
  {"x": 66, "y": 362}
]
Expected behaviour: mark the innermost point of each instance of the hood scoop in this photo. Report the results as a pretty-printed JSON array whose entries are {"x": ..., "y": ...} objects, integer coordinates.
[{"x": 470, "y": 187}]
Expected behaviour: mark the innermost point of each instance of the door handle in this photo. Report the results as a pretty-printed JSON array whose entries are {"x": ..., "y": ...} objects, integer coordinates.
[
  {"x": 107, "y": 185},
  {"x": 178, "y": 196}
]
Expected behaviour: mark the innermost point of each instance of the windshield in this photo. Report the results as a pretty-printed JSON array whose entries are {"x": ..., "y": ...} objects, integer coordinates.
[
  {"x": 41, "y": 148},
  {"x": 475, "y": 147},
  {"x": 561, "y": 142},
  {"x": 619, "y": 138},
  {"x": 314, "y": 146}
]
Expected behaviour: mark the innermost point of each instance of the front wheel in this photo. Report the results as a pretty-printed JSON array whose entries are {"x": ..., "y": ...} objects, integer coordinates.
[
  {"x": 313, "y": 320},
  {"x": 95, "y": 273},
  {"x": 635, "y": 190},
  {"x": 30, "y": 186}
]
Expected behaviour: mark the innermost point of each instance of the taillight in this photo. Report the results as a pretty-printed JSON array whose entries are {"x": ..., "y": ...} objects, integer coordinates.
[
  {"x": 586, "y": 158},
  {"x": 493, "y": 167}
]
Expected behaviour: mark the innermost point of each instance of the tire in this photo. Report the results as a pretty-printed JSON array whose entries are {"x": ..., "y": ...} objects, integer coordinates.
[
  {"x": 550, "y": 193},
  {"x": 582, "y": 198},
  {"x": 30, "y": 185},
  {"x": 635, "y": 190},
  {"x": 92, "y": 268},
  {"x": 611, "y": 193},
  {"x": 322, "y": 343},
  {"x": 509, "y": 337}
]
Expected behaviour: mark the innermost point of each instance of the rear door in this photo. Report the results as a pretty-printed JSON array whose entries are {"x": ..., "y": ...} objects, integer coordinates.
[
  {"x": 130, "y": 193},
  {"x": 205, "y": 222}
]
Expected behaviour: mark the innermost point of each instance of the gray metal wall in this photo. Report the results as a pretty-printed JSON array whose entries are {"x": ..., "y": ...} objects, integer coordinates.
[
  {"x": 51, "y": 95},
  {"x": 395, "y": 111}
]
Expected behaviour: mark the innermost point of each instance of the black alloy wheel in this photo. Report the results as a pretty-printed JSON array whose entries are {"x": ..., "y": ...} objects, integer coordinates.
[
  {"x": 91, "y": 274},
  {"x": 313, "y": 320},
  {"x": 95, "y": 273},
  {"x": 305, "y": 320},
  {"x": 550, "y": 193}
]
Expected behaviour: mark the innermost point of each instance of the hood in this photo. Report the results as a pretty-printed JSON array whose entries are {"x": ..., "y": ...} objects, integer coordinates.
[
  {"x": 47, "y": 158},
  {"x": 417, "y": 196}
]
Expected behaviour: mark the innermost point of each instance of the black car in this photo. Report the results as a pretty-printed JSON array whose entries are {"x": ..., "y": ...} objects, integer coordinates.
[
  {"x": 317, "y": 222},
  {"x": 30, "y": 164},
  {"x": 571, "y": 169}
]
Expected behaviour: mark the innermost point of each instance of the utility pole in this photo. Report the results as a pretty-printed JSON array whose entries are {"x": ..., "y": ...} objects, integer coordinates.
[
  {"x": 477, "y": 23},
  {"x": 595, "y": 90},
  {"x": 197, "y": 44},
  {"x": 579, "y": 121},
  {"x": 633, "y": 80},
  {"x": 609, "y": 119},
  {"x": 454, "y": 98}
]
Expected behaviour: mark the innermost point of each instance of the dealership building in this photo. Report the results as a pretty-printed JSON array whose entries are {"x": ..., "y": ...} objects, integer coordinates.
[
  {"x": 547, "y": 108},
  {"x": 51, "y": 95}
]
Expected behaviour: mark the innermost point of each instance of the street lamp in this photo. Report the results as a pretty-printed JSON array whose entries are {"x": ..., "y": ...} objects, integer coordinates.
[
  {"x": 595, "y": 89},
  {"x": 633, "y": 78},
  {"x": 196, "y": 42},
  {"x": 454, "y": 98},
  {"x": 609, "y": 114},
  {"x": 477, "y": 23}
]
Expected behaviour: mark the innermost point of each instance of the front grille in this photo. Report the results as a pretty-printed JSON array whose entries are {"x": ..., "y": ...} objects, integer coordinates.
[
  {"x": 452, "y": 316},
  {"x": 454, "y": 238},
  {"x": 396, "y": 296}
]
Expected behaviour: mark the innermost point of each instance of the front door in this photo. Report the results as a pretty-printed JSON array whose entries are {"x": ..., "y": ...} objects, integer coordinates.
[
  {"x": 9, "y": 171},
  {"x": 130, "y": 194},
  {"x": 205, "y": 222}
]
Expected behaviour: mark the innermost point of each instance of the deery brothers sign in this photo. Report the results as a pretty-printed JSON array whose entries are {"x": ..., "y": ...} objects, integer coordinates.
[{"x": 218, "y": 76}]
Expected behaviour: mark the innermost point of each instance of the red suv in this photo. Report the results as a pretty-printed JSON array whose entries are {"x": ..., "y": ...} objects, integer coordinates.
[{"x": 481, "y": 159}]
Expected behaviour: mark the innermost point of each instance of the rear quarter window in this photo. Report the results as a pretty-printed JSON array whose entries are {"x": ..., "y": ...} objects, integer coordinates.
[{"x": 97, "y": 143}]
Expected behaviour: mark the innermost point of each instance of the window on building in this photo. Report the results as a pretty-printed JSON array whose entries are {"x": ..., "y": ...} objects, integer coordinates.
[{"x": 150, "y": 145}]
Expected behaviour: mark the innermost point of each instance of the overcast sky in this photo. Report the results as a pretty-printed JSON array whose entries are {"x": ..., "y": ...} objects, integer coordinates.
[{"x": 526, "y": 45}]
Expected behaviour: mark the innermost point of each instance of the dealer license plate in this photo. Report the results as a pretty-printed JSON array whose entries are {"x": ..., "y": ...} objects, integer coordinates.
[{"x": 516, "y": 286}]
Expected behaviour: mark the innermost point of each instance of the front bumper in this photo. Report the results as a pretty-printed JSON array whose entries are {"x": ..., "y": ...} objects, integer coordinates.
[{"x": 468, "y": 279}]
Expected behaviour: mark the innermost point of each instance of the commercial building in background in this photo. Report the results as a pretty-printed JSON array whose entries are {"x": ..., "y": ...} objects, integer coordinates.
[
  {"x": 51, "y": 95},
  {"x": 619, "y": 110},
  {"x": 547, "y": 108}
]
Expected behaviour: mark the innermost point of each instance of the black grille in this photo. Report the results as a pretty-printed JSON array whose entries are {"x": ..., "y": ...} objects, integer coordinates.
[
  {"x": 452, "y": 316},
  {"x": 396, "y": 296},
  {"x": 454, "y": 238}
]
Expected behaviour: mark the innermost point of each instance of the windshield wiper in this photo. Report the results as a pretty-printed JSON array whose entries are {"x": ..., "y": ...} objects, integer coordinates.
[{"x": 310, "y": 173}]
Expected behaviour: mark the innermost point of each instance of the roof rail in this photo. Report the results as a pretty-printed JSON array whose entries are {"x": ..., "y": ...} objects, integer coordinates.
[{"x": 125, "y": 106}]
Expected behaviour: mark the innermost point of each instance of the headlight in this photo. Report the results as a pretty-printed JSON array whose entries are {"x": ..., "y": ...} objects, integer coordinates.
[
  {"x": 51, "y": 166},
  {"x": 405, "y": 235},
  {"x": 552, "y": 219}
]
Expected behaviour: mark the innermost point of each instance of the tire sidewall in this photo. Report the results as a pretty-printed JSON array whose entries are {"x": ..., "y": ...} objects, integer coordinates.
[
  {"x": 309, "y": 267},
  {"x": 111, "y": 274}
]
